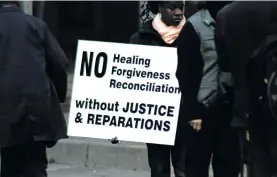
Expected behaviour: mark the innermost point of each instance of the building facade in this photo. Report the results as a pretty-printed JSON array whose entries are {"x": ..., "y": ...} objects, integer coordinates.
[{"x": 111, "y": 21}]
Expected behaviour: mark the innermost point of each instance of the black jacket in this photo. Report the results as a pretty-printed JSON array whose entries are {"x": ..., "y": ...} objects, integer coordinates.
[
  {"x": 190, "y": 66},
  {"x": 190, "y": 71},
  {"x": 147, "y": 35},
  {"x": 33, "y": 80},
  {"x": 241, "y": 28}
]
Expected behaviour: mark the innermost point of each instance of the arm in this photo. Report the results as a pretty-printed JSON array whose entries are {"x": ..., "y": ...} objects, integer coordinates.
[
  {"x": 220, "y": 42},
  {"x": 190, "y": 70},
  {"x": 135, "y": 39},
  {"x": 56, "y": 64}
]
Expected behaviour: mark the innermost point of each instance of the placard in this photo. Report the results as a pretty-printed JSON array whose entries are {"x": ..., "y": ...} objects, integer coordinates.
[{"x": 126, "y": 91}]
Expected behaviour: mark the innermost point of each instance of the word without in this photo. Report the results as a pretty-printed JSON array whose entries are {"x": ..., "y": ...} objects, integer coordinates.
[{"x": 96, "y": 105}]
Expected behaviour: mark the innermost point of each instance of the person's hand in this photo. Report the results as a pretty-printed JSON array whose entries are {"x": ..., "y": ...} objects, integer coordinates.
[
  {"x": 196, "y": 124},
  {"x": 115, "y": 140},
  {"x": 247, "y": 135}
]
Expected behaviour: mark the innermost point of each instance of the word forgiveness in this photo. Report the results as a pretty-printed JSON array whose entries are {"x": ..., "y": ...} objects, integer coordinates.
[
  {"x": 137, "y": 122},
  {"x": 130, "y": 73}
]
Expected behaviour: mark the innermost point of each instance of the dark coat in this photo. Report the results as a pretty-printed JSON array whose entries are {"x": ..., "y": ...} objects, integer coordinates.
[
  {"x": 190, "y": 64},
  {"x": 33, "y": 80},
  {"x": 147, "y": 35},
  {"x": 190, "y": 71},
  {"x": 241, "y": 28}
]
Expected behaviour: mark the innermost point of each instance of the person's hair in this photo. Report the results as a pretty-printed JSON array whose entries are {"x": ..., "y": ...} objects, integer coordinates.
[{"x": 153, "y": 6}]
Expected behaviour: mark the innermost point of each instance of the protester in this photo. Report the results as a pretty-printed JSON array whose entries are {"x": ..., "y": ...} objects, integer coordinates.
[
  {"x": 163, "y": 30},
  {"x": 33, "y": 82},
  {"x": 243, "y": 34},
  {"x": 207, "y": 100}
]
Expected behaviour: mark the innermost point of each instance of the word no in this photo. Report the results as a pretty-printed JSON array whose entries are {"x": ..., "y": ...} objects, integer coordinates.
[{"x": 86, "y": 64}]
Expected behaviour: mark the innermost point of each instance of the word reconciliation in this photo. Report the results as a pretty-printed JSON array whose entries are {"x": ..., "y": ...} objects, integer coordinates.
[{"x": 148, "y": 86}]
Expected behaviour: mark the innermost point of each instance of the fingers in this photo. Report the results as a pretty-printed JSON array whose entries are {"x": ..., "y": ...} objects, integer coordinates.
[
  {"x": 247, "y": 136},
  {"x": 196, "y": 124},
  {"x": 265, "y": 81}
]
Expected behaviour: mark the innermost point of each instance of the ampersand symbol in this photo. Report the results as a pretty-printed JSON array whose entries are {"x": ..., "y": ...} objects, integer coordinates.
[{"x": 78, "y": 118}]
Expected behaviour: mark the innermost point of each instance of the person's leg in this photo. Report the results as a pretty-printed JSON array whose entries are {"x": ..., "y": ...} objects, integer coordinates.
[
  {"x": 273, "y": 146},
  {"x": 198, "y": 148},
  {"x": 260, "y": 143},
  {"x": 35, "y": 159},
  {"x": 24, "y": 160},
  {"x": 11, "y": 161},
  {"x": 159, "y": 160},
  {"x": 178, "y": 155},
  {"x": 226, "y": 157},
  {"x": 226, "y": 149}
]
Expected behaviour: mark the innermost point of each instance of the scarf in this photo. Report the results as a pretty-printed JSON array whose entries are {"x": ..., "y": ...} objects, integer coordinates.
[{"x": 168, "y": 33}]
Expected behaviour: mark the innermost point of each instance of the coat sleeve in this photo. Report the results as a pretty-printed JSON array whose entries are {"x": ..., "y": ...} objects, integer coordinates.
[
  {"x": 190, "y": 71},
  {"x": 56, "y": 64},
  {"x": 135, "y": 39},
  {"x": 220, "y": 42}
]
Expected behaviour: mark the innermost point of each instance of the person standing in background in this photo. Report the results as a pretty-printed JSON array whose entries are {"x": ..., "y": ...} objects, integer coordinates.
[
  {"x": 206, "y": 99},
  {"x": 163, "y": 30},
  {"x": 33, "y": 81},
  {"x": 246, "y": 35}
]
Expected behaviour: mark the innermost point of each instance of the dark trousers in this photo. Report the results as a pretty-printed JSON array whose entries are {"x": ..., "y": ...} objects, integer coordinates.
[
  {"x": 263, "y": 139},
  {"x": 159, "y": 158},
  {"x": 24, "y": 160},
  {"x": 217, "y": 142}
]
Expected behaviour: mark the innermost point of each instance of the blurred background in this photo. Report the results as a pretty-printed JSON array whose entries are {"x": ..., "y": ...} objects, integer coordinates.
[{"x": 111, "y": 21}]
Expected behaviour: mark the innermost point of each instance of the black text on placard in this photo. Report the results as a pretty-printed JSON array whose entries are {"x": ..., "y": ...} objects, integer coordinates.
[{"x": 87, "y": 64}]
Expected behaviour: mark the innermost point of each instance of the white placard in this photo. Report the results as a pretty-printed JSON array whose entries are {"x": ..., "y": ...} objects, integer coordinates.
[{"x": 125, "y": 91}]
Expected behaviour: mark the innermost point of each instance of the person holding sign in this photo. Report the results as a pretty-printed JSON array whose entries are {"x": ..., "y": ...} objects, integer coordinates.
[
  {"x": 163, "y": 30},
  {"x": 33, "y": 81},
  {"x": 207, "y": 100}
]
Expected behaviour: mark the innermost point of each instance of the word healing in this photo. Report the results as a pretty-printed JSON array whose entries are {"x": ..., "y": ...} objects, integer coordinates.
[{"x": 131, "y": 60}]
